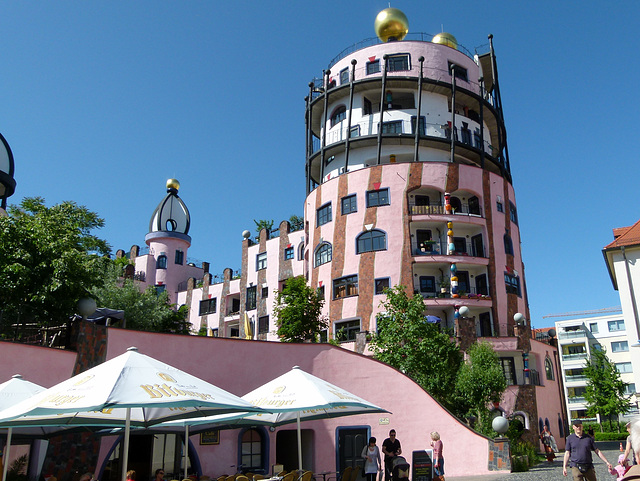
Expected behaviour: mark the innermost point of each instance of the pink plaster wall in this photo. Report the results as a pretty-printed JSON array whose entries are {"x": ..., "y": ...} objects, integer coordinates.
[{"x": 40, "y": 365}]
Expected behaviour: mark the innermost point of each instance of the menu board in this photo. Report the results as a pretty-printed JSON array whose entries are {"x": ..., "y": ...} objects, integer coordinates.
[{"x": 422, "y": 465}]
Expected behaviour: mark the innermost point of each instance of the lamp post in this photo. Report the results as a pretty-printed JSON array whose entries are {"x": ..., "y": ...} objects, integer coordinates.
[{"x": 7, "y": 182}]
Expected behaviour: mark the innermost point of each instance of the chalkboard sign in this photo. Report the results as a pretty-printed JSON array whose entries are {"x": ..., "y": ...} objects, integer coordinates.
[{"x": 422, "y": 465}]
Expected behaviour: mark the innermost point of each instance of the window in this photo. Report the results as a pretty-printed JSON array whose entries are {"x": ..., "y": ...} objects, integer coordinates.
[
  {"x": 344, "y": 76},
  {"x": 396, "y": 100},
  {"x": 381, "y": 285},
  {"x": 349, "y": 204},
  {"x": 265, "y": 292},
  {"x": 378, "y": 197},
  {"x": 161, "y": 263},
  {"x": 465, "y": 133},
  {"x": 459, "y": 72},
  {"x": 251, "y": 450},
  {"x": 160, "y": 288},
  {"x": 548, "y": 368},
  {"x": 421, "y": 125},
  {"x": 345, "y": 287},
  {"x": 374, "y": 240},
  {"x": 214, "y": 332},
  {"x": 596, "y": 347},
  {"x": 508, "y": 244},
  {"x": 428, "y": 284},
  {"x": 330, "y": 159},
  {"x": 346, "y": 331},
  {"x": 354, "y": 132},
  {"x": 394, "y": 127},
  {"x": 620, "y": 346},
  {"x": 397, "y": 63},
  {"x": 512, "y": 284},
  {"x": 263, "y": 325},
  {"x": 339, "y": 114},
  {"x": 367, "y": 107},
  {"x": 261, "y": 261},
  {"x": 482, "y": 286},
  {"x": 616, "y": 325},
  {"x": 320, "y": 292},
  {"x": 513, "y": 213},
  {"x": 288, "y": 253},
  {"x": 251, "y": 298},
  {"x": 208, "y": 306},
  {"x": 508, "y": 370},
  {"x": 179, "y": 257},
  {"x": 499, "y": 205},
  {"x": 630, "y": 388},
  {"x": 323, "y": 254},
  {"x": 624, "y": 367},
  {"x": 373, "y": 67},
  {"x": 323, "y": 214},
  {"x": 593, "y": 327}
]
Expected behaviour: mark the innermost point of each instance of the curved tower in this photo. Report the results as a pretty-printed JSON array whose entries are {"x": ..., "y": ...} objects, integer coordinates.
[
  {"x": 408, "y": 182},
  {"x": 168, "y": 241}
]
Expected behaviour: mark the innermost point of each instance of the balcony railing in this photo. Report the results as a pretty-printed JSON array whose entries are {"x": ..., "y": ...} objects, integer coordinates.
[
  {"x": 369, "y": 127},
  {"x": 574, "y": 357},
  {"x": 572, "y": 334},
  {"x": 576, "y": 400},
  {"x": 438, "y": 209},
  {"x": 473, "y": 293},
  {"x": 576, "y": 378},
  {"x": 438, "y": 248}
]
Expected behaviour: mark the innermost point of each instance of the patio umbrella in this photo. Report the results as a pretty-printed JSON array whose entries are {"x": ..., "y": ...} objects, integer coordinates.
[
  {"x": 293, "y": 397},
  {"x": 12, "y": 392},
  {"x": 129, "y": 389}
]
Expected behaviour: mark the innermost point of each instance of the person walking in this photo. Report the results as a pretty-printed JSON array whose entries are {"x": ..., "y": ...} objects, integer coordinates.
[
  {"x": 391, "y": 448},
  {"x": 578, "y": 450},
  {"x": 372, "y": 463},
  {"x": 438, "y": 459},
  {"x": 549, "y": 443}
]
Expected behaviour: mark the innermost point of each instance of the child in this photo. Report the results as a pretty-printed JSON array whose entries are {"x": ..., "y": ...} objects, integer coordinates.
[{"x": 621, "y": 468}]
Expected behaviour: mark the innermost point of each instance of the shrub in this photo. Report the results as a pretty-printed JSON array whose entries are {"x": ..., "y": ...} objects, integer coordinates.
[{"x": 611, "y": 436}]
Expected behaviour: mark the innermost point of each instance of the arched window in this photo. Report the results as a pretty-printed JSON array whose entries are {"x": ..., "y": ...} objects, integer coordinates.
[
  {"x": 548, "y": 368},
  {"x": 161, "y": 263},
  {"x": 374, "y": 240},
  {"x": 252, "y": 447},
  {"x": 508, "y": 244},
  {"x": 323, "y": 254},
  {"x": 338, "y": 115}
]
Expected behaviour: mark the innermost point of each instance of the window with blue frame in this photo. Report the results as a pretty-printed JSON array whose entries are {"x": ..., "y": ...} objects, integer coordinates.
[
  {"x": 288, "y": 253},
  {"x": 393, "y": 127},
  {"x": 373, "y": 67},
  {"x": 323, "y": 214},
  {"x": 179, "y": 257},
  {"x": 339, "y": 114},
  {"x": 344, "y": 76},
  {"x": 512, "y": 284},
  {"x": 261, "y": 261},
  {"x": 322, "y": 254},
  {"x": 617, "y": 325},
  {"x": 371, "y": 241},
  {"x": 161, "y": 263},
  {"x": 376, "y": 198},
  {"x": 349, "y": 204},
  {"x": 397, "y": 63}
]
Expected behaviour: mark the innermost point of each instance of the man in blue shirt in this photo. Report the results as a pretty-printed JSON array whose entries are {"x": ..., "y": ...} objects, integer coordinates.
[{"x": 578, "y": 449}]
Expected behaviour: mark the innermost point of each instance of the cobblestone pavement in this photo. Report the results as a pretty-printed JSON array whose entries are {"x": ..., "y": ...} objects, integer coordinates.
[{"x": 548, "y": 471}]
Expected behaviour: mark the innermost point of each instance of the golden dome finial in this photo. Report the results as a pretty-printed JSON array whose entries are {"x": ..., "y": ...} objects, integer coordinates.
[
  {"x": 391, "y": 24},
  {"x": 173, "y": 184},
  {"x": 447, "y": 39}
]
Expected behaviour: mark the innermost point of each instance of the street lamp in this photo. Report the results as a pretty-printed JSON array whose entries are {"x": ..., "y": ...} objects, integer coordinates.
[{"x": 7, "y": 182}]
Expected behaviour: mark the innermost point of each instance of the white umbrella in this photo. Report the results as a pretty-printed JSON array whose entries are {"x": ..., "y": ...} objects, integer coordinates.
[
  {"x": 12, "y": 392},
  {"x": 129, "y": 389},
  {"x": 292, "y": 397}
]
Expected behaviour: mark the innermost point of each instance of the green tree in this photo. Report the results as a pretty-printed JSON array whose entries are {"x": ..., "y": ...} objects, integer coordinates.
[
  {"x": 262, "y": 224},
  {"x": 296, "y": 222},
  {"x": 298, "y": 311},
  {"x": 406, "y": 341},
  {"x": 143, "y": 310},
  {"x": 605, "y": 391},
  {"x": 49, "y": 259},
  {"x": 480, "y": 382}
]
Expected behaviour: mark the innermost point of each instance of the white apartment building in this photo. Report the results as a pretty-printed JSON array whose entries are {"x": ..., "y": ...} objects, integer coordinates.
[{"x": 577, "y": 339}]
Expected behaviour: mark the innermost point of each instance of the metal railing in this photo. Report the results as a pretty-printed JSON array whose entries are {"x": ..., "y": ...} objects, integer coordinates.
[
  {"x": 436, "y": 208},
  {"x": 575, "y": 378},
  {"x": 576, "y": 400},
  {"x": 439, "y": 248},
  {"x": 574, "y": 357},
  {"x": 572, "y": 334}
]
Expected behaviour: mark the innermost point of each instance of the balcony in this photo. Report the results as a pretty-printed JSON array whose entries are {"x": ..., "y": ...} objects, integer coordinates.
[
  {"x": 572, "y": 334},
  {"x": 576, "y": 400},
  {"x": 576, "y": 378},
  {"x": 574, "y": 357},
  {"x": 437, "y": 248},
  {"x": 438, "y": 209}
]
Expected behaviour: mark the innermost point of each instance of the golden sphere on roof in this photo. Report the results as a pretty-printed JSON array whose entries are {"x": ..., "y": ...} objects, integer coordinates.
[
  {"x": 445, "y": 38},
  {"x": 173, "y": 184},
  {"x": 391, "y": 24}
]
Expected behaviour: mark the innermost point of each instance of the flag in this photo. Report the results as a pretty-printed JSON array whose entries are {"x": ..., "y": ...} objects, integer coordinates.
[{"x": 248, "y": 332}]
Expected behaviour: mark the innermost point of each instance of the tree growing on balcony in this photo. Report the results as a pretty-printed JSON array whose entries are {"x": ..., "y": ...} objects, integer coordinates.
[
  {"x": 298, "y": 311},
  {"x": 406, "y": 341},
  {"x": 605, "y": 392}
]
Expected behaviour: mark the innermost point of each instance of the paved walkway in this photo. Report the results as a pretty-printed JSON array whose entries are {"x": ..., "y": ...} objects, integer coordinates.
[{"x": 547, "y": 471}]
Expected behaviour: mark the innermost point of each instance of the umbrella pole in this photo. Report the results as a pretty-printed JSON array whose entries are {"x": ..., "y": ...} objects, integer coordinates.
[
  {"x": 299, "y": 444},
  {"x": 5, "y": 466},
  {"x": 186, "y": 449},
  {"x": 125, "y": 448}
]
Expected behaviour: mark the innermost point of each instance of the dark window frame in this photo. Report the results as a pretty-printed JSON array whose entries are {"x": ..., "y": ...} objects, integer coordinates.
[
  {"x": 263, "y": 324},
  {"x": 380, "y": 284},
  {"x": 512, "y": 284},
  {"x": 161, "y": 262},
  {"x": 288, "y": 253},
  {"x": 392, "y": 127},
  {"x": 346, "y": 286},
  {"x": 261, "y": 261},
  {"x": 324, "y": 214},
  {"x": 338, "y": 115},
  {"x": 349, "y": 332},
  {"x": 373, "y": 67},
  {"x": 459, "y": 71},
  {"x": 208, "y": 306},
  {"x": 251, "y": 300},
  {"x": 344, "y": 76},
  {"x": 179, "y": 257},
  {"x": 373, "y": 240},
  {"x": 324, "y": 252},
  {"x": 400, "y": 62},
  {"x": 376, "y": 198},
  {"x": 351, "y": 202}
]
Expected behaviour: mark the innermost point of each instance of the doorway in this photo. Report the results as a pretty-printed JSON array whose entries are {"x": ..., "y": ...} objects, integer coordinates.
[{"x": 351, "y": 442}]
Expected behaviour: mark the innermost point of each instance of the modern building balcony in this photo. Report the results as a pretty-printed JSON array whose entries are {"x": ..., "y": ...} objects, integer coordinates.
[
  {"x": 572, "y": 334},
  {"x": 576, "y": 379},
  {"x": 574, "y": 357},
  {"x": 438, "y": 248},
  {"x": 576, "y": 400}
]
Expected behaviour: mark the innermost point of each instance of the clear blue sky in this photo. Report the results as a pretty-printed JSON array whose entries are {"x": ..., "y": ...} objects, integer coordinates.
[{"x": 101, "y": 102}]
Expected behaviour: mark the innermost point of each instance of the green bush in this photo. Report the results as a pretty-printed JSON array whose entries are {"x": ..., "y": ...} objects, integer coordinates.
[
  {"x": 521, "y": 449},
  {"x": 519, "y": 464},
  {"x": 610, "y": 436}
]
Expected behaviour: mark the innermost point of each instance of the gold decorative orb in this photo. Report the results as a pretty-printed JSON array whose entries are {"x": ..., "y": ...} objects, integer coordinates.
[
  {"x": 173, "y": 184},
  {"x": 445, "y": 38},
  {"x": 391, "y": 23}
]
